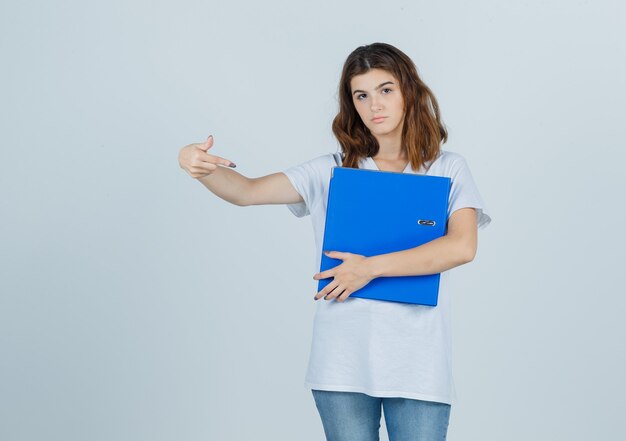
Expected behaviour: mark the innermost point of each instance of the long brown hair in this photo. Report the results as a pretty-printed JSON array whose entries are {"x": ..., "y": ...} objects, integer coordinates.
[{"x": 422, "y": 133}]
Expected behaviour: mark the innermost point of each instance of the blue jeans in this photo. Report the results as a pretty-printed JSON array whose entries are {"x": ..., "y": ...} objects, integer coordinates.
[{"x": 354, "y": 416}]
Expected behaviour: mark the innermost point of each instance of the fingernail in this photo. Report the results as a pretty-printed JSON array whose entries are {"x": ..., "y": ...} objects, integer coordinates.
[{"x": 232, "y": 165}]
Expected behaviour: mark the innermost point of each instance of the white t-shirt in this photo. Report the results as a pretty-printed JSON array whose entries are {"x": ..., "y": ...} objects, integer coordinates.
[{"x": 377, "y": 347}]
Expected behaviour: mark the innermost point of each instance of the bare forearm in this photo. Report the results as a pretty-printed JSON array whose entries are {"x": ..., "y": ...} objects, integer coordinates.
[
  {"x": 433, "y": 257},
  {"x": 228, "y": 185}
]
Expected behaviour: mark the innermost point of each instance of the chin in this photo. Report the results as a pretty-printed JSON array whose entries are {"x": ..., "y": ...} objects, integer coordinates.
[{"x": 381, "y": 131}]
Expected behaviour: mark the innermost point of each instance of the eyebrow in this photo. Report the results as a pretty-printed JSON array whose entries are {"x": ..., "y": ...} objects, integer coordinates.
[{"x": 376, "y": 88}]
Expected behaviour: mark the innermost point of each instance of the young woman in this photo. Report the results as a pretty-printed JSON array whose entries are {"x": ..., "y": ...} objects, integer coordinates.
[{"x": 371, "y": 354}]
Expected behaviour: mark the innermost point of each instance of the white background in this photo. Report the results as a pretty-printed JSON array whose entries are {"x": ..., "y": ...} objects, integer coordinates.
[{"x": 137, "y": 305}]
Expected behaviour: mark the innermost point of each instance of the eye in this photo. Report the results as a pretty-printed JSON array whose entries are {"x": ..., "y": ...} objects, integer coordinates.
[
  {"x": 358, "y": 97},
  {"x": 386, "y": 88}
]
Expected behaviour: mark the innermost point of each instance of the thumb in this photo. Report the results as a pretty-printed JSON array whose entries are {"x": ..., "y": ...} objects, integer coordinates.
[
  {"x": 336, "y": 254},
  {"x": 208, "y": 144}
]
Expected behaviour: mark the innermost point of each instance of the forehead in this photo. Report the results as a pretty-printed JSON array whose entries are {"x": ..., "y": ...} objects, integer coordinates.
[{"x": 370, "y": 79}]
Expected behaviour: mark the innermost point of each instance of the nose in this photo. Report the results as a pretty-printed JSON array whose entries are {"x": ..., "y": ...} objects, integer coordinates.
[{"x": 376, "y": 106}]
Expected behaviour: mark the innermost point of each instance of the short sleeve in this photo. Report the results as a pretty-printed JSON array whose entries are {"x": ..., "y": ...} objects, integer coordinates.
[
  {"x": 306, "y": 178},
  {"x": 464, "y": 192}
]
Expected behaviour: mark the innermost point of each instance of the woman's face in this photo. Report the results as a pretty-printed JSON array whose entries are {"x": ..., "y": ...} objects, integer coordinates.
[{"x": 377, "y": 93}]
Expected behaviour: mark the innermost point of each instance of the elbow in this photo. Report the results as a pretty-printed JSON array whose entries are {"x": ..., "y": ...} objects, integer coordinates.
[
  {"x": 468, "y": 254},
  {"x": 465, "y": 251},
  {"x": 242, "y": 201},
  {"x": 245, "y": 197}
]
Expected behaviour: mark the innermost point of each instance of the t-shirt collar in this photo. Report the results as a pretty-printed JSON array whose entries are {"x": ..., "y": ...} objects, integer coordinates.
[{"x": 370, "y": 164}]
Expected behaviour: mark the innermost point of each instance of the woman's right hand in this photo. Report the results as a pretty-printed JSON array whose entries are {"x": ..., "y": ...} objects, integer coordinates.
[{"x": 195, "y": 160}]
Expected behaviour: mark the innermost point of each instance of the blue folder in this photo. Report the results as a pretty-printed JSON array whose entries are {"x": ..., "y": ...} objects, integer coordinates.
[{"x": 372, "y": 212}]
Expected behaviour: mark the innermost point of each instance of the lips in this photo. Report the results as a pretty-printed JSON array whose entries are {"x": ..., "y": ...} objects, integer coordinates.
[{"x": 378, "y": 118}]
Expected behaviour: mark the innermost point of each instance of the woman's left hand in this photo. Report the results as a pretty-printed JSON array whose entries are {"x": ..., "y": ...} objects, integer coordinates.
[{"x": 353, "y": 274}]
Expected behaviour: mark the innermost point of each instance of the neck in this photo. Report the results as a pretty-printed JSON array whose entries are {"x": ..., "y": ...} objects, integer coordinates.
[{"x": 390, "y": 147}]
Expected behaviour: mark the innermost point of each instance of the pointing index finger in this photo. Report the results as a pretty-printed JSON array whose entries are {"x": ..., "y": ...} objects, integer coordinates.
[{"x": 218, "y": 160}]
